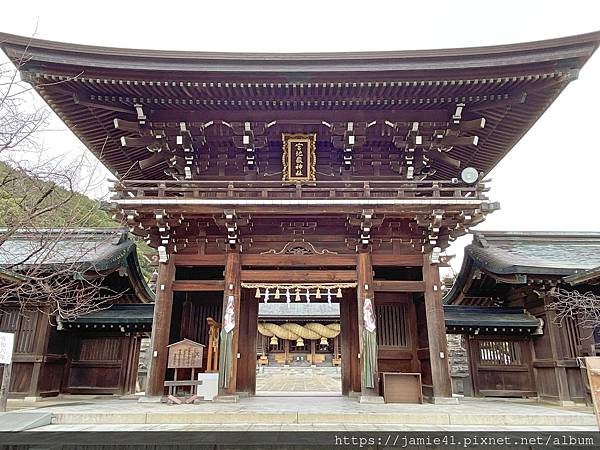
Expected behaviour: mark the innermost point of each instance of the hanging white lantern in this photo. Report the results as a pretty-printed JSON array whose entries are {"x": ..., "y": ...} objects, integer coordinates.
[
  {"x": 300, "y": 342},
  {"x": 323, "y": 341},
  {"x": 274, "y": 340}
]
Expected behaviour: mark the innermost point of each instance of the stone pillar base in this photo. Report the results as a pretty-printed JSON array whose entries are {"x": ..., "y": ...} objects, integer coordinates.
[
  {"x": 33, "y": 399},
  {"x": 444, "y": 400},
  {"x": 227, "y": 398},
  {"x": 371, "y": 399},
  {"x": 150, "y": 399}
]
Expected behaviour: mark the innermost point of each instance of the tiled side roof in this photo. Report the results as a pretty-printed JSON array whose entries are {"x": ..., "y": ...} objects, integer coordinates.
[
  {"x": 84, "y": 250},
  {"x": 100, "y": 249},
  {"x": 482, "y": 316},
  {"x": 534, "y": 252},
  {"x": 591, "y": 276}
]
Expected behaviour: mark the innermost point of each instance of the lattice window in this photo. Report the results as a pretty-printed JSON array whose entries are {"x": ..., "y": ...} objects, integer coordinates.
[
  {"x": 9, "y": 321},
  {"x": 499, "y": 353},
  {"x": 392, "y": 330}
]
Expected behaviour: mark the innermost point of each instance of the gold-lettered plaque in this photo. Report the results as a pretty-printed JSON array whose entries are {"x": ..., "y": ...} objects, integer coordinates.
[{"x": 299, "y": 157}]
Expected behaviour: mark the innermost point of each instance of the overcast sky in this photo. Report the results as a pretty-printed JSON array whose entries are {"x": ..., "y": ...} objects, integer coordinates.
[{"x": 550, "y": 179}]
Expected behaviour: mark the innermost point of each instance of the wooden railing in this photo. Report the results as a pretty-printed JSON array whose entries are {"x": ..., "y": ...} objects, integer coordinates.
[{"x": 450, "y": 189}]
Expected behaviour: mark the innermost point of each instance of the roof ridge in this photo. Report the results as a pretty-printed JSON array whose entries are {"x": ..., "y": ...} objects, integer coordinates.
[{"x": 593, "y": 37}]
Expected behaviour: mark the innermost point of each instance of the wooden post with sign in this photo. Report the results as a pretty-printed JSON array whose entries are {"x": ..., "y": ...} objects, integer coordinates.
[{"x": 7, "y": 343}]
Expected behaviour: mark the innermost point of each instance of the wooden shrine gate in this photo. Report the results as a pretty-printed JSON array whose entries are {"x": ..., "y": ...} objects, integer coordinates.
[{"x": 404, "y": 318}]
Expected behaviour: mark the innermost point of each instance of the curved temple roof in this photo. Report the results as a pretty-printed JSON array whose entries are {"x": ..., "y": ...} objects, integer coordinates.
[
  {"x": 93, "y": 251},
  {"x": 89, "y": 87},
  {"x": 510, "y": 257}
]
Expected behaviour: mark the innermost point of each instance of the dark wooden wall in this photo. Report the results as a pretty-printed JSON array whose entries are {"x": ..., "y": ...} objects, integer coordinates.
[
  {"x": 102, "y": 364},
  {"x": 396, "y": 333},
  {"x": 188, "y": 321},
  {"x": 558, "y": 376},
  {"x": 37, "y": 367},
  {"x": 48, "y": 362}
]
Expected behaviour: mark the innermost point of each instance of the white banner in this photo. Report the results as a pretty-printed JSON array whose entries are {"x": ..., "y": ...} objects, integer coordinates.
[
  {"x": 229, "y": 320},
  {"x": 368, "y": 316},
  {"x": 6, "y": 347}
]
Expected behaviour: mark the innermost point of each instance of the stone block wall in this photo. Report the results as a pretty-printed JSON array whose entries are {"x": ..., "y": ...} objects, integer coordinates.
[{"x": 459, "y": 364}]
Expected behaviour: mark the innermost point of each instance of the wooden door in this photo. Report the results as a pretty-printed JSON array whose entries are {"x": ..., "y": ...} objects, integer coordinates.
[{"x": 501, "y": 366}]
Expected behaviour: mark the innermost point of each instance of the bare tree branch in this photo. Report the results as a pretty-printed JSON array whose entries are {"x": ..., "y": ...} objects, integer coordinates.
[
  {"x": 38, "y": 192},
  {"x": 571, "y": 304}
]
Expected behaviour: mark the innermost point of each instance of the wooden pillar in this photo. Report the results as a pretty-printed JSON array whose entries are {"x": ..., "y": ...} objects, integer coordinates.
[
  {"x": 560, "y": 372},
  {"x": 436, "y": 331},
  {"x": 367, "y": 338},
  {"x": 229, "y": 338},
  {"x": 161, "y": 327},
  {"x": 42, "y": 334},
  {"x": 286, "y": 352},
  {"x": 349, "y": 349},
  {"x": 246, "y": 365}
]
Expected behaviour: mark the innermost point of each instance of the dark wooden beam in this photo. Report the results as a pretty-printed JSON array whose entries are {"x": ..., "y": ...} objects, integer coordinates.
[
  {"x": 415, "y": 260},
  {"x": 399, "y": 286},
  {"x": 193, "y": 286},
  {"x": 199, "y": 260},
  {"x": 298, "y": 276},
  {"x": 300, "y": 117},
  {"x": 298, "y": 260}
]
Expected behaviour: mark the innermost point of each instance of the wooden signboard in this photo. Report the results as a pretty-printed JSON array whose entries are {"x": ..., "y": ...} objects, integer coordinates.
[
  {"x": 299, "y": 157},
  {"x": 185, "y": 354}
]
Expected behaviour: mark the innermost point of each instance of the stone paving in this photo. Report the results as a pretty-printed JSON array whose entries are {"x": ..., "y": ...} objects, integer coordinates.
[
  {"x": 311, "y": 413},
  {"x": 299, "y": 379}
]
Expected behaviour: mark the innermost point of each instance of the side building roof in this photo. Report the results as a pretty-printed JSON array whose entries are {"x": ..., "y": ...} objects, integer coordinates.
[
  {"x": 89, "y": 251},
  {"x": 497, "y": 259}
]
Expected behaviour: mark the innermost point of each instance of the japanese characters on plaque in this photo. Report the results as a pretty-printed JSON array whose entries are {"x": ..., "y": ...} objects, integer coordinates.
[{"x": 299, "y": 157}]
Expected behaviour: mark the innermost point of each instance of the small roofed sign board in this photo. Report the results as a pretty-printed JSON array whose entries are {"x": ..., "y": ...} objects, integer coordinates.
[
  {"x": 6, "y": 347},
  {"x": 185, "y": 354},
  {"x": 299, "y": 157}
]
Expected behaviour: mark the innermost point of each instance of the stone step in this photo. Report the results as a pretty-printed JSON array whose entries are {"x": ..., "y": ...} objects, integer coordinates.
[
  {"x": 287, "y": 417},
  {"x": 23, "y": 420}
]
